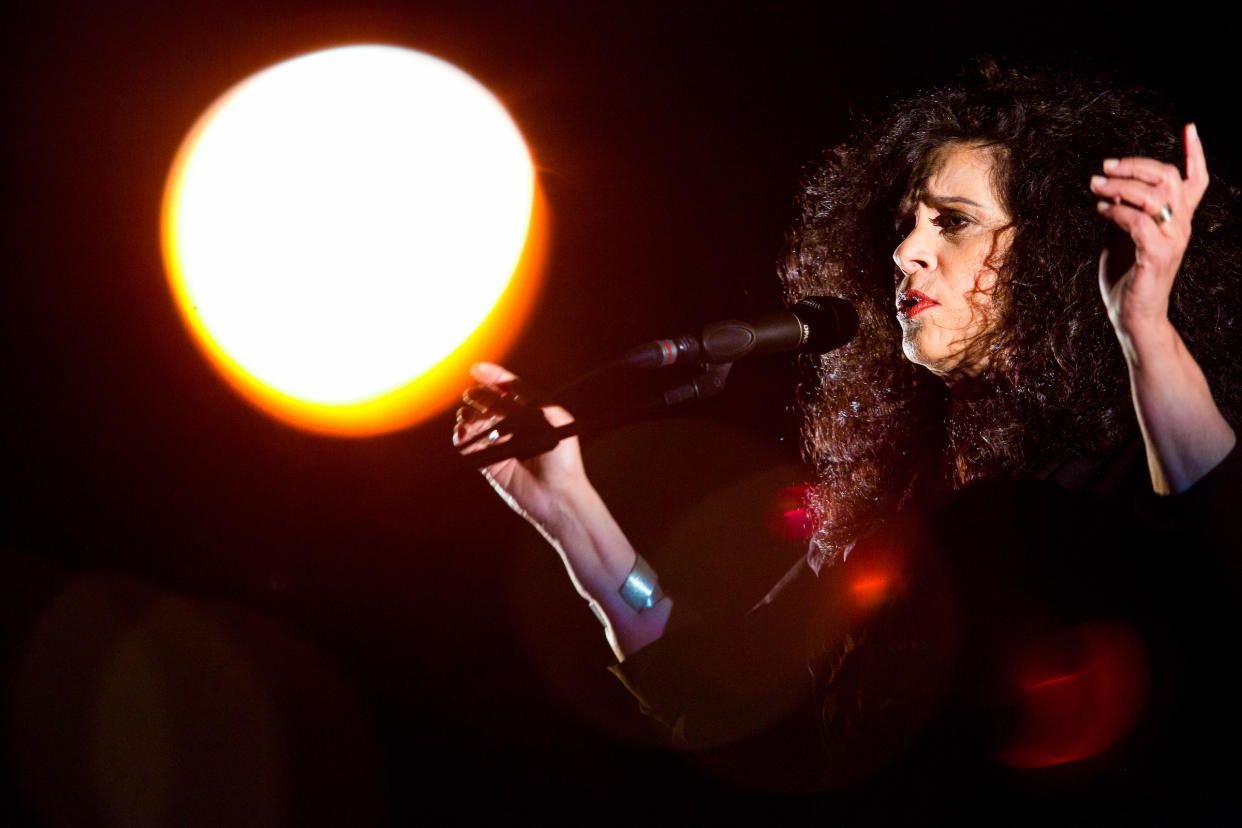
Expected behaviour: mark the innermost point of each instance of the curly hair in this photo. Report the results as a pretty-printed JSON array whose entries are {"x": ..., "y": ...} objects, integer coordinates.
[{"x": 878, "y": 428}]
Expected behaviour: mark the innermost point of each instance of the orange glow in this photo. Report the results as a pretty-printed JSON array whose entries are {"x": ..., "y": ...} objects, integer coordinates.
[
  {"x": 869, "y": 587},
  {"x": 875, "y": 574},
  {"x": 1081, "y": 692},
  {"x": 367, "y": 336}
]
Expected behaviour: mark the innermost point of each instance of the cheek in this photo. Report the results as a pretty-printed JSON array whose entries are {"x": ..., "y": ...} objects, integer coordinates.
[
  {"x": 984, "y": 296},
  {"x": 977, "y": 275},
  {"x": 985, "y": 282},
  {"x": 989, "y": 258},
  {"x": 976, "y": 282}
]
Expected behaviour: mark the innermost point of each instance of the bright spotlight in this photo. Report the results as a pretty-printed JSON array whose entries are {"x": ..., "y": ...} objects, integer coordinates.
[{"x": 346, "y": 231}]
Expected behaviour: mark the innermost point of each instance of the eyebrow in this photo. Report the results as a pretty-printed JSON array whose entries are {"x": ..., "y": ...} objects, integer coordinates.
[{"x": 931, "y": 198}]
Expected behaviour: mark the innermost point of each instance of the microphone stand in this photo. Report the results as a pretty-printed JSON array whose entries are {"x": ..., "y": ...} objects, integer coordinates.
[
  {"x": 529, "y": 433},
  {"x": 815, "y": 323}
]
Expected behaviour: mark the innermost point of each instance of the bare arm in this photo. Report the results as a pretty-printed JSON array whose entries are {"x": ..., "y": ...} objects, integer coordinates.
[
  {"x": 1183, "y": 430},
  {"x": 553, "y": 493}
]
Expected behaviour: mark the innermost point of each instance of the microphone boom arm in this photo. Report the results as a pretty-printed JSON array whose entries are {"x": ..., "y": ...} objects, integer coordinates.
[{"x": 531, "y": 434}]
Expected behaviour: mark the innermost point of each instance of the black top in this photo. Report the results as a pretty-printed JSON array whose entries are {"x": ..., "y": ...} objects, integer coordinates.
[{"x": 1069, "y": 634}]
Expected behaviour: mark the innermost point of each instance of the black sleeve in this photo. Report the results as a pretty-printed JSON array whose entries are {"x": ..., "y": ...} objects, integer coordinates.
[
  {"x": 806, "y": 691},
  {"x": 715, "y": 683},
  {"x": 1206, "y": 516}
]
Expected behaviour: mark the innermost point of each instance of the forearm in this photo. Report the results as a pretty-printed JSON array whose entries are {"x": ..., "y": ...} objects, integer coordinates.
[
  {"x": 552, "y": 492},
  {"x": 1183, "y": 430},
  {"x": 599, "y": 557}
]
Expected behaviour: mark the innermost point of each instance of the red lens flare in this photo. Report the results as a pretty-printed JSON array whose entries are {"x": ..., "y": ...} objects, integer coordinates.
[
  {"x": 869, "y": 590},
  {"x": 875, "y": 575},
  {"x": 789, "y": 518},
  {"x": 1081, "y": 691}
]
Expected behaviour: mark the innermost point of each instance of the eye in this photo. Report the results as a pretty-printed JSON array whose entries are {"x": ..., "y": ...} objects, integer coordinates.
[{"x": 951, "y": 222}]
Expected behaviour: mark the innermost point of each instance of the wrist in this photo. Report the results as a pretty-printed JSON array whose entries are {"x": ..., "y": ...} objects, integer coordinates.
[
  {"x": 601, "y": 563},
  {"x": 641, "y": 588},
  {"x": 1148, "y": 342}
]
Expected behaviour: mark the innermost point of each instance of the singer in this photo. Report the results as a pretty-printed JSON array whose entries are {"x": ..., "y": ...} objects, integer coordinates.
[{"x": 1025, "y": 463}]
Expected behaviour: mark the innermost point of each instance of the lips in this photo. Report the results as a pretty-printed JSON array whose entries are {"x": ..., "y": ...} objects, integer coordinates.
[{"x": 913, "y": 302}]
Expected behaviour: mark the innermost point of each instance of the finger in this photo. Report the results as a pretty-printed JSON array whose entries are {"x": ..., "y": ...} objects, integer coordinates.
[
  {"x": 1196, "y": 165},
  {"x": 1147, "y": 198},
  {"x": 557, "y": 416},
  {"x": 1147, "y": 170},
  {"x": 489, "y": 400},
  {"x": 467, "y": 432},
  {"x": 484, "y": 439},
  {"x": 489, "y": 373},
  {"x": 470, "y": 404},
  {"x": 515, "y": 388},
  {"x": 1140, "y": 226}
]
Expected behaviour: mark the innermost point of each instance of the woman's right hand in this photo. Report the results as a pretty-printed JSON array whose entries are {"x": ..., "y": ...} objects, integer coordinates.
[
  {"x": 553, "y": 493},
  {"x": 535, "y": 488}
]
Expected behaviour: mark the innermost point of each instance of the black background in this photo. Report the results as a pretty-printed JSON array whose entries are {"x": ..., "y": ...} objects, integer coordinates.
[{"x": 414, "y": 649}]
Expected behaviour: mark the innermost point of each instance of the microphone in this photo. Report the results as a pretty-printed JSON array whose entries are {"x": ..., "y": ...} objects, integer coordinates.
[{"x": 815, "y": 325}]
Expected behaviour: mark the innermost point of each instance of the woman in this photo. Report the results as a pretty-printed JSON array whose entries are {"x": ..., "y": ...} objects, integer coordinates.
[{"x": 974, "y": 445}]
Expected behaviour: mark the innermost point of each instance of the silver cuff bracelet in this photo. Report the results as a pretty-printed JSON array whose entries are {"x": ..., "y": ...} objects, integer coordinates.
[{"x": 641, "y": 590}]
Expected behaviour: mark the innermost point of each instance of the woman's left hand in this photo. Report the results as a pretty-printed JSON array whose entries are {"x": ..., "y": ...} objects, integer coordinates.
[
  {"x": 1183, "y": 430},
  {"x": 1153, "y": 203}
]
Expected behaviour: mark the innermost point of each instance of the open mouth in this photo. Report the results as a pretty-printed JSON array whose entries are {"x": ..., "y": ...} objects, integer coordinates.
[{"x": 913, "y": 302}]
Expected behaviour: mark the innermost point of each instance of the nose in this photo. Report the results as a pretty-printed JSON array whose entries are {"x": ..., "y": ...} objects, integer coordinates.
[{"x": 915, "y": 252}]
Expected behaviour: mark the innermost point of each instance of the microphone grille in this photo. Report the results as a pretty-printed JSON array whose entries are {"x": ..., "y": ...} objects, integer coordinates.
[{"x": 831, "y": 319}]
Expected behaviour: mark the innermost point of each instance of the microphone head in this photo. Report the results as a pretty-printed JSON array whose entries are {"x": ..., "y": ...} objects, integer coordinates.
[{"x": 831, "y": 320}]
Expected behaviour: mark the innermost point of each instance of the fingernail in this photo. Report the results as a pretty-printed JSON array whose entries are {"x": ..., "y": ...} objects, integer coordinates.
[
  {"x": 1193, "y": 130},
  {"x": 1097, "y": 181},
  {"x": 1109, "y": 163},
  {"x": 1103, "y": 206}
]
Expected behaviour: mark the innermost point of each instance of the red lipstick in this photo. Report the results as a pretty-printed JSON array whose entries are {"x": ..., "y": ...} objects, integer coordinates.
[{"x": 913, "y": 302}]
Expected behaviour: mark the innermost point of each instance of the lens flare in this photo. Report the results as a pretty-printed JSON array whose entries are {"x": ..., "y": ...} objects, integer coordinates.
[
  {"x": 788, "y": 516},
  {"x": 346, "y": 231},
  {"x": 1081, "y": 691}
]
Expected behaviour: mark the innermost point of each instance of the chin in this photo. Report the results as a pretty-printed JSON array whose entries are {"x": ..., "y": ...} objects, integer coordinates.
[
  {"x": 940, "y": 365},
  {"x": 911, "y": 347}
]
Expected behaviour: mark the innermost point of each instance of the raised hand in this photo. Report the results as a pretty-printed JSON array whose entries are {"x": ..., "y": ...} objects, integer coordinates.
[
  {"x": 1153, "y": 204},
  {"x": 1183, "y": 430}
]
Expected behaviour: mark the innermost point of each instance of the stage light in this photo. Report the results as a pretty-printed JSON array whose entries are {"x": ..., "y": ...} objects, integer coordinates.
[{"x": 344, "y": 232}]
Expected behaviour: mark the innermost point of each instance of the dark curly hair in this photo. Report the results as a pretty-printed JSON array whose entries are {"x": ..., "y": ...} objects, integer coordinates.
[{"x": 878, "y": 428}]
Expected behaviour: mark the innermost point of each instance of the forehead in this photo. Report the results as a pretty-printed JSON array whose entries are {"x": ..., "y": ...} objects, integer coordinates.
[{"x": 964, "y": 171}]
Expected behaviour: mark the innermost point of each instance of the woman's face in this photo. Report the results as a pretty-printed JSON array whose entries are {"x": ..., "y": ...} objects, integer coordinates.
[{"x": 955, "y": 236}]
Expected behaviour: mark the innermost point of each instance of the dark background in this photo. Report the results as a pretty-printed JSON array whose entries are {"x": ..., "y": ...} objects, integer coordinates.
[{"x": 211, "y": 617}]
